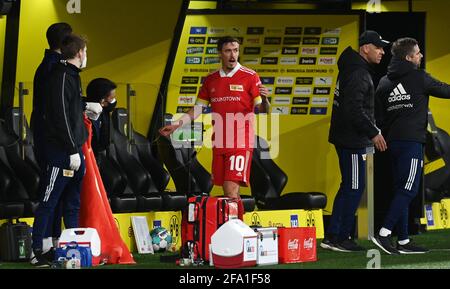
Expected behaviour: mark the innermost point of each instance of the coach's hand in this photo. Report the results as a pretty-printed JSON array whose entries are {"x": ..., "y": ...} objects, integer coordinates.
[
  {"x": 75, "y": 162},
  {"x": 379, "y": 142}
]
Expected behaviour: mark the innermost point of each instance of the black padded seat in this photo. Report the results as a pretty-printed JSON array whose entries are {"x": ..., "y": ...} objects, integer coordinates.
[
  {"x": 268, "y": 180},
  {"x": 138, "y": 178},
  {"x": 121, "y": 197},
  {"x": 14, "y": 187},
  {"x": 296, "y": 200},
  {"x": 11, "y": 210},
  {"x": 158, "y": 177},
  {"x": 189, "y": 176},
  {"x": 248, "y": 202}
]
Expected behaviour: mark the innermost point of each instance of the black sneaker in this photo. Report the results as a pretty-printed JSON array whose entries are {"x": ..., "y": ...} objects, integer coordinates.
[
  {"x": 38, "y": 260},
  {"x": 385, "y": 244},
  {"x": 348, "y": 245},
  {"x": 411, "y": 248},
  {"x": 49, "y": 255},
  {"x": 327, "y": 244}
]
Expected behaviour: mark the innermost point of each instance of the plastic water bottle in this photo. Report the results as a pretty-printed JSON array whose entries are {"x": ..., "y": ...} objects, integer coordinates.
[{"x": 73, "y": 263}]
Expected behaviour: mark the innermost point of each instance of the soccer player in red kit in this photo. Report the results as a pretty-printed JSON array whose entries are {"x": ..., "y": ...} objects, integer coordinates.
[{"x": 232, "y": 92}]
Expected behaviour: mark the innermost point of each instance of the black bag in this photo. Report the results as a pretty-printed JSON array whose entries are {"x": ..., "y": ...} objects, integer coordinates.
[{"x": 15, "y": 241}]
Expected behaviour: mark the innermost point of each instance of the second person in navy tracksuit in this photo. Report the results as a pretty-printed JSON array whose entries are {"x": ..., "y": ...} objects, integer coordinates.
[
  {"x": 402, "y": 111},
  {"x": 65, "y": 134}
]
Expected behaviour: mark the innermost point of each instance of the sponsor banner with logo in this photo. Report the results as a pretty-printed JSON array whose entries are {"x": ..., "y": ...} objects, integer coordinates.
[
  {"x": 211, "y": 60},
  {"x": 283, "y": 90},
  {"x": 288, "y": 60},
  {"x": 304, "y": 80},
  {"x": 300, "y": 100},
  {"x": 302, "y": 90},
  {"x": 330, "y": 40},
  {"x": 281, "y": 100},
  {"x": 293, "y": 30},
  {"x": 270, "y": 51},
  {"x": 299, "y": 110},
  {"x": 327, "y": 60},
  {"x": 318, "y": 110},
  {"x": 272, "y": 40},
  {"x": 248, "y": 61},
  {"x": 322, "y": 90},
  {"x": 332, "y": 31},
  {"x": 320, "y": 100},
  {"x": 307, "y": 60},
  {"x": 310, "y": 50},
  {"x": 269, "y": 60},
  {"x": 328, "y": 50},
  {"x": 285, "y": 80},
  {"x": 186, "y": 99},
  {"x": 287, "y": 218},
  {"x": 252, "y": 50},
  {"x": 324, "y": 80},
  {"x": 280, "y": 109},
  {"x": 193, "y": 60},
  {"x": 217, "y": 30},
  {"x": 190, "y": 79},
  {"x": 275, "y": 30}
]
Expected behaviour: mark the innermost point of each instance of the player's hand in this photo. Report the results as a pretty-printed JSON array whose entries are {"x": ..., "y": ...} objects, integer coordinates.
[
  {"x": 263, "y": 91},
  {"x": 168, "y": 129},
  {"x": 379, "y": 142}
]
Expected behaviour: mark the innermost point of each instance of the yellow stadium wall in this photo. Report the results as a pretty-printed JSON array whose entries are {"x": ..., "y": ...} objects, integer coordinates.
[
  {"x": 2, "y": 43},
  {"x": 129, "y": 42}
]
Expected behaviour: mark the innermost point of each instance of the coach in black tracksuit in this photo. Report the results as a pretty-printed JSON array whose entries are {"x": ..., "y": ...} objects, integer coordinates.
[
  {"x": 55, "y": 35},
  {"x": 352, "y": 130},
  {"x": 65, "y": 134},
  {"x": 402, "y": 110}
]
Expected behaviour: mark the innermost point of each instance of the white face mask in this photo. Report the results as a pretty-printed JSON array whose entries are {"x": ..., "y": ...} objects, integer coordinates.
[{"x": 84, "y": 63}]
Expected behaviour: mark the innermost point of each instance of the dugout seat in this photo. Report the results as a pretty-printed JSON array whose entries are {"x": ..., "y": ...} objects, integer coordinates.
[
  {"x": 157, "y": 176},
  {"x": 138, "y": 178},
  {"x": 121, "y": 198},
  {"x": 24, "y": 167},
  {"x": 189, "y": 176},
  {"x": 268, "y": 180},
  {"x": 437, "y": 147},
  {"x": 15, "y": 198}
]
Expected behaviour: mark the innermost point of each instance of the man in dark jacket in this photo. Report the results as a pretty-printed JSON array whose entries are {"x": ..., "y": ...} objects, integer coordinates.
[
  {"x": 55, "y": 35},
  {"x": 103, "y": 91},
  {"x": 65, "y": 134},
  {"x": 352, "y": 130},
  {"x": 402, "y": 109}
]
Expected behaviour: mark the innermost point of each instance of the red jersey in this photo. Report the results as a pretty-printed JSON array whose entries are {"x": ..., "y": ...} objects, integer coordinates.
[{"x": 232, "y": 98}]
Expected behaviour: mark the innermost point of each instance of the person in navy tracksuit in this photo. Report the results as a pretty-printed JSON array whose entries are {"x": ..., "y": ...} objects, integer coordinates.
[
  {"x": 65, "y": 134},
  {"x": 402, "y": 110},
  {"x": 352, "y": 131},
  {"x": 55, "y": 35}
]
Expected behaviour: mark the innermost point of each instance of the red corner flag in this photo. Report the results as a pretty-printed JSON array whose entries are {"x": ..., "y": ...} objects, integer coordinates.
[{"x": 95, "y": 211}]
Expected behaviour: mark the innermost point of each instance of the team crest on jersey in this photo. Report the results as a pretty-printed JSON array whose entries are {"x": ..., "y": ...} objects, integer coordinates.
[{"x": 236, "y": 87}]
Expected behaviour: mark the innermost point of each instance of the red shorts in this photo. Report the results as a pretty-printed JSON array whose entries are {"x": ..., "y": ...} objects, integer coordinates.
[{"x": 231, "y": 165}]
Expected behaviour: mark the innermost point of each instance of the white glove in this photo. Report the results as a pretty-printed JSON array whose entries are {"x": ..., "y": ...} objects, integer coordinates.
[
  {"x": 75, "y": 162},
  {"x": 94, "y": 107},
  {"x": 92, "y": 115}
]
